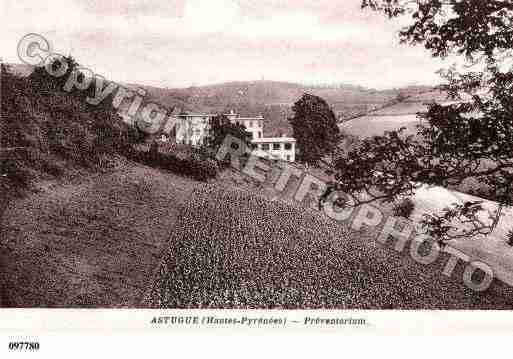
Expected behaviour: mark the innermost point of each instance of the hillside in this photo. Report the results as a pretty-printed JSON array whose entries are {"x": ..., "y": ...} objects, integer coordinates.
[
  {"x": 47, "y": 133},
  {"x": 139, "y": 237},
  {"x": 393, "y": 116},
  {"x": 49, "y": 136},
  {"x": 232, "y": 249},
  {"x": 92, "y": 243},
  {"x": 249, "y": 98}
]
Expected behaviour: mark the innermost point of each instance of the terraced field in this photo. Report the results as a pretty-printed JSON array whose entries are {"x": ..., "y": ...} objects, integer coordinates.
[{"x": 232, "y": 249}]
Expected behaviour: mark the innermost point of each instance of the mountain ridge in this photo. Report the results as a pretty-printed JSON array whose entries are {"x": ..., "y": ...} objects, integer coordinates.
[{"x": 272, "y": 99}]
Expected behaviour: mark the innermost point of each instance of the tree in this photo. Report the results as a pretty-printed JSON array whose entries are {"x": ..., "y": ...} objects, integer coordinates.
[
  {"x": 315, "y": 128},
  {"x": 3, "y": 68},
  {"x": 471, "y": 139},
  {"x": 221, "y": 127}
]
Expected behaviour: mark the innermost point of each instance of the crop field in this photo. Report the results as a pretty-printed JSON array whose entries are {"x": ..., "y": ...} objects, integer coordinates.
[
  {"x": 232, "y": 249},
  {"x": 369, "y": 126},
  {"x": 389, "y": 118}
]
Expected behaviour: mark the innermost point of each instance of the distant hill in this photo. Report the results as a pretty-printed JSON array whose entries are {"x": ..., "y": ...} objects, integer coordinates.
[
  {"x": 273, "y": 99},
  {"x": 245, "y": 96}
]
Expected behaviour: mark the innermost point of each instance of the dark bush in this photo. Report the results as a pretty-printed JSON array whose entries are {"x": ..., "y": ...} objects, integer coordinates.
[
  {"x": 404, "y": 208},
  {"x": 201, "y": 169},
  {"x": 13, "y": 177},
  {"x": 57, "y": 130},
  {"x": 203, "y": 152},
  {"x": 509, "y": 237}
]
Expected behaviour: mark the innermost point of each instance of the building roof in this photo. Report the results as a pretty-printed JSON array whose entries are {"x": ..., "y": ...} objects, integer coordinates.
[
  {"x": 237, "y": 117},
  {"x": 249, "y": 118},
  {"x": 196, "y": 115},
  {"x": 273, "y": 139}
]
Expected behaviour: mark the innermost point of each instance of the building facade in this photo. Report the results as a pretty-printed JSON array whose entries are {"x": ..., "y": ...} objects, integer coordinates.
[
  {"x": 254, "y": 125},
  {"x": 281, "y": 148},
  {"x": 192, "y": 129}
]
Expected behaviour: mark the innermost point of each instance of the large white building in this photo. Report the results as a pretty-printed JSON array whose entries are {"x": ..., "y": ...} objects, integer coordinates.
[
  {"x": 254, "y": 125},
  {"x": 192, "y": 129},
  {"x": 282, "y": 148}
]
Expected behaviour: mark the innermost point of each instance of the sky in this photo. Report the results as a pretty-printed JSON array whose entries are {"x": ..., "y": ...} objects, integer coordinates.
[{"x": 181, "y": 43}]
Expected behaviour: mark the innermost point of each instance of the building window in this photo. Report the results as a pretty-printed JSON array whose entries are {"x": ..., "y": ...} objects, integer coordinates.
[
  {"x": 288, "y": 146},
  {"x": 288, "y": 158},
  {"x": 260, "y": 134},
  {"x": 265, "y": 146},
  {"x": 276, "y": 146}
]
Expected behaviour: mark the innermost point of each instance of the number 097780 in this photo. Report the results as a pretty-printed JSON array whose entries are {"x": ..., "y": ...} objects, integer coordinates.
[{"x": 23, "y": 346}]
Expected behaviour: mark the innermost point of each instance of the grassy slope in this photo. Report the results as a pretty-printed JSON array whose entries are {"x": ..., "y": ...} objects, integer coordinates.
[
  {"x": 56, "y": 137},
  {"x": 91, "y": 244},
  {"x": 98, "y": 243},
  {"x": 232, "y": 249}
]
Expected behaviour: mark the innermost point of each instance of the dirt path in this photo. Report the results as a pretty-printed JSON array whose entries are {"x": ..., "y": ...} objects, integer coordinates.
[{"x": 92, "y": 244}]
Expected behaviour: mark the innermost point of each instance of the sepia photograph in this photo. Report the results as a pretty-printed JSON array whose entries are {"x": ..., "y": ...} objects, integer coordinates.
[{"x": 270, "y": 155}]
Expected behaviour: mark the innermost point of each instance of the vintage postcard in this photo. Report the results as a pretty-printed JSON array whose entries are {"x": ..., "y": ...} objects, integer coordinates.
[{"x": 261, "y": 166}]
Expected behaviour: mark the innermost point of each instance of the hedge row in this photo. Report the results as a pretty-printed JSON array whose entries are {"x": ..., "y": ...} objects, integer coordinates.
[{"x": 201, "y": 169}]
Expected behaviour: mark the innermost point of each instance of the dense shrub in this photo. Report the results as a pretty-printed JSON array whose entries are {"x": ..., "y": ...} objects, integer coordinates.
[
  {"x": 221, "y": 127},
  {"x": 404, "y": 208},
  {"x": 13, "y": 177},
  {"x": 202, "y": 168},
  {"x": 509, "y": 237},
  {"x": 194, "y": 166},
  {"x": 55, "y": 129}
]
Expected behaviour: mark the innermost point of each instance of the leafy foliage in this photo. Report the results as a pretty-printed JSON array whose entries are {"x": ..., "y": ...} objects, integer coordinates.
[
  {"x": 404, "y": 208},
  {"x": 448, "y": 26},
  {"x": 45, "y": 129},
  {"x": 510, "y": 237},
  {"x": 221, "y": 127},
  {"x": 469, "y": 139},
  {"x": 194, "y": 166},
  {"x": 315, "y": 128}
]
